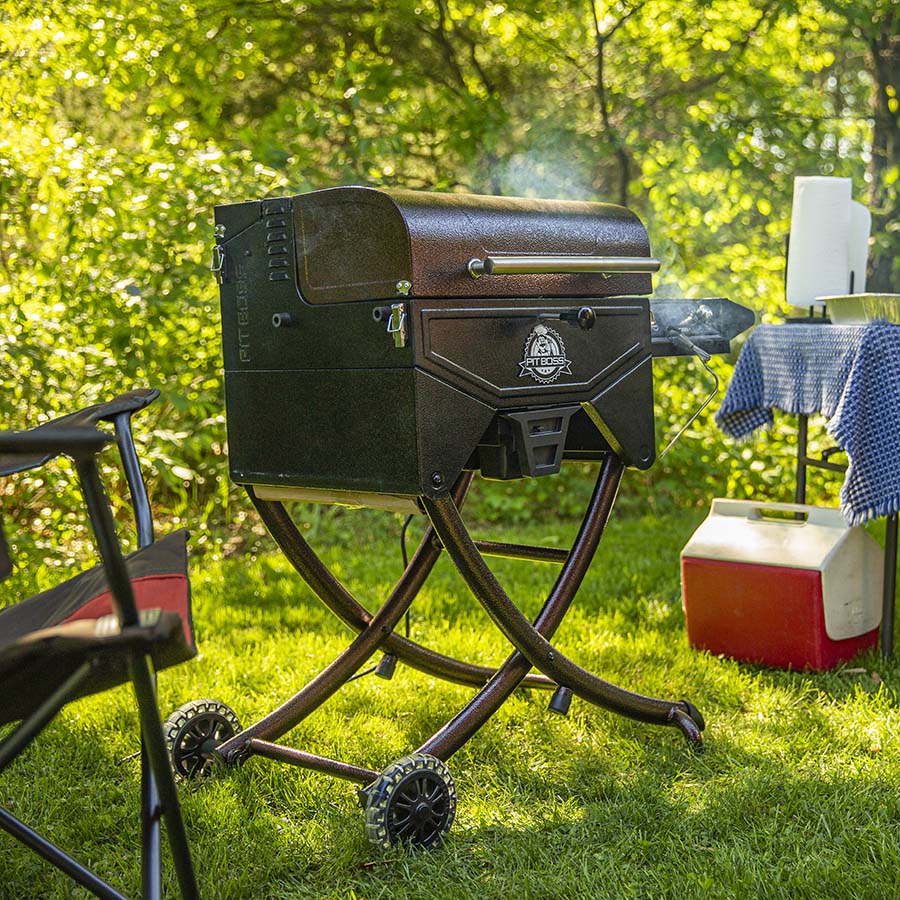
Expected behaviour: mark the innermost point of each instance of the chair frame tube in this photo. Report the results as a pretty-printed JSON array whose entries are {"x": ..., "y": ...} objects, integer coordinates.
[
  {"x": 56, "y": 857},
  {"x": 28, "y": 729},
  {"x": 142, "y": 678}
]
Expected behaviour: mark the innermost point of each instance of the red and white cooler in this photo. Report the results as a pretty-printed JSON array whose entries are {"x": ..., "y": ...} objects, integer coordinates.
[{"x": 781, "y": 584}]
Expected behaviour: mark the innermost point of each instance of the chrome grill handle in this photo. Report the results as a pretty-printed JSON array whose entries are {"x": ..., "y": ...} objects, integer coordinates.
[{"x": 560, "y": 265}]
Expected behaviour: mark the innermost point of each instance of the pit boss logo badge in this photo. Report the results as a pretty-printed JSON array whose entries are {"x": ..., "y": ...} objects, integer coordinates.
[{"x": 545, "y": 356}]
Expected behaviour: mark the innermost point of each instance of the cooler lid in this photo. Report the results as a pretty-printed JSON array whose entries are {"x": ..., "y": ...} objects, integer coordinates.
[{"x": 774, "y": 534}]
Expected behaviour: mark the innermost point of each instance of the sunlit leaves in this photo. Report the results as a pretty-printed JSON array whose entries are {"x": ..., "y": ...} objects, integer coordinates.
[{"x": 122, "y": 125}]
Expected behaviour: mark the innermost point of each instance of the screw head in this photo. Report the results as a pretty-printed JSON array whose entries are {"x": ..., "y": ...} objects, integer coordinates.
[{"x": 437, "y": 480}]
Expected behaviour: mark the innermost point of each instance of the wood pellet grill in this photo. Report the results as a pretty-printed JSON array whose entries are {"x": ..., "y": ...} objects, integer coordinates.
[{"x": 381, "y": 347}]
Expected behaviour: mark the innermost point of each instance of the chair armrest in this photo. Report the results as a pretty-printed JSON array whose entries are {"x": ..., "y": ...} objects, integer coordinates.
[
  {"x": 76, "y": 441},
  {"x": 119, "y": 411},
  {"x": 115, "y": 410},
  {"x": 129, "y": 402}
]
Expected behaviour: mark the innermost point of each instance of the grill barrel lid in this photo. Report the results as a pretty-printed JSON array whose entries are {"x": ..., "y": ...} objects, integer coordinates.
[{"x": 360, "y": 243}]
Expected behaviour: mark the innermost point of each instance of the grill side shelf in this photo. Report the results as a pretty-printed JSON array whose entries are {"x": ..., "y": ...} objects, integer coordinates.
[{"x": 709, "y": 324}]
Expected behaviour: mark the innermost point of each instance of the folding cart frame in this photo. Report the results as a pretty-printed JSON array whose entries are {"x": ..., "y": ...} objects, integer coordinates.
[
  {"x": 413, "y": 800},
  {"x": 379, "y": 347}
]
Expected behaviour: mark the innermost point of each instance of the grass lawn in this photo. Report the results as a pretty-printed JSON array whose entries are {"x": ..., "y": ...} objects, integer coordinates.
[{"x": 797, "y": 795}]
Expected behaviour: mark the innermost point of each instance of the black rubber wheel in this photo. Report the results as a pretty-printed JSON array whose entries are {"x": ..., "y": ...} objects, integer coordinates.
[
  {"x": 194, "y": 731},
  {"x": 412, "y": 802}
]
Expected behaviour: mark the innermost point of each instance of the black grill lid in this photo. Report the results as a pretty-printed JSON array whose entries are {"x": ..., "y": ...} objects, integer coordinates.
[{"x": 359, "y": 243}]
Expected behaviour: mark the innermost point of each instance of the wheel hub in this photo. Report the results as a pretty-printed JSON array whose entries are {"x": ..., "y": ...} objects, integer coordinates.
[
  {"x": 423, "y": 812},
  {"x": 194, "y": 731}
]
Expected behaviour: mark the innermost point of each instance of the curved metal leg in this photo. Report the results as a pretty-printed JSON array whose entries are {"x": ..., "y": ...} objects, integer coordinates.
[
  {"x": 491, "y": 697},
  {"x": 329, "y": 680},
  {"x": 534, "y": 646},
  {"x": 342, "y": 603}
]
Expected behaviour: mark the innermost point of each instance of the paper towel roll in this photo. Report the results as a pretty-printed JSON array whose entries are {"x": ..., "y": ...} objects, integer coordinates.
[
  {"x": 818, "y": 256},
  {"x": 860, "y": 226}
]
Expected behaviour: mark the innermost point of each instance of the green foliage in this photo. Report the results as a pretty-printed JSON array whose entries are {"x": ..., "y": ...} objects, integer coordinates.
[{"x": 121, "y": 126}]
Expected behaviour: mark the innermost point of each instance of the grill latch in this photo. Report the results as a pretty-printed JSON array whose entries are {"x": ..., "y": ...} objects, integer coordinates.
[
  {"x": 397, "y": 324},
  {"x": 217, "y": 265},
  {"x": 395, "y": 315}
]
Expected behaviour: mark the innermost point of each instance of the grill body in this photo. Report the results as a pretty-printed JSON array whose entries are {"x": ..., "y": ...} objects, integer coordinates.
[{"x": 362, "y": 357}]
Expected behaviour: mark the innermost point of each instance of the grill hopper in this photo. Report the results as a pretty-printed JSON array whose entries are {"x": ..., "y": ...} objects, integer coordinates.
[{"x": 378, "y": 343}]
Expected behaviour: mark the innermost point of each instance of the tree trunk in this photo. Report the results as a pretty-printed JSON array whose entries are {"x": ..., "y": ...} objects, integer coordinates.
[
  {"x": 884, "y": 198},
  {"x": 622, "y": 156}
]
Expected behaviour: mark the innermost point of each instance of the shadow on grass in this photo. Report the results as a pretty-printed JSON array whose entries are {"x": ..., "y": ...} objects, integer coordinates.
[{"x": 593, "y": 806}]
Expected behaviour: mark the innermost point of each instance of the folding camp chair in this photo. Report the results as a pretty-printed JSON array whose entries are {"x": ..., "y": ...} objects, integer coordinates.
[{"x": 117, "y": 622}]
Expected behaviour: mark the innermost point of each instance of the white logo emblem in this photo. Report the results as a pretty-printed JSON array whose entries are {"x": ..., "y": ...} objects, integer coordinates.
[{"x": 545, "y": 356}]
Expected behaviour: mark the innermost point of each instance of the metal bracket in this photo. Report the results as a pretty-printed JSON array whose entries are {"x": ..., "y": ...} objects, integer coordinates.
[
  {"x": 680, "y": 339},
  {"x": 397, "y": 324}
]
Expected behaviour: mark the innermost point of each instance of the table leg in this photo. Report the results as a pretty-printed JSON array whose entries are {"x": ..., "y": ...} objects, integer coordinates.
[
  {"x": 890, "y": 585},
  {"x": 802, "y": 425}
]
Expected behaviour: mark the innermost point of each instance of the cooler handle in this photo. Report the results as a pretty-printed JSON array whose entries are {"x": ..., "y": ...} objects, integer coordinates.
[{"x": 753, "y": 511}]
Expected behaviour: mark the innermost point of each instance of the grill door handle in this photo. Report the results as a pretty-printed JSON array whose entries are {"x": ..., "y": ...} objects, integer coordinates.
[{"x": 559, "y": 265}]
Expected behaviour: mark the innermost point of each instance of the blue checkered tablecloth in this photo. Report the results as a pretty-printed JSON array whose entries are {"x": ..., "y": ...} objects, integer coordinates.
[{"x": 848, "y": 373}]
